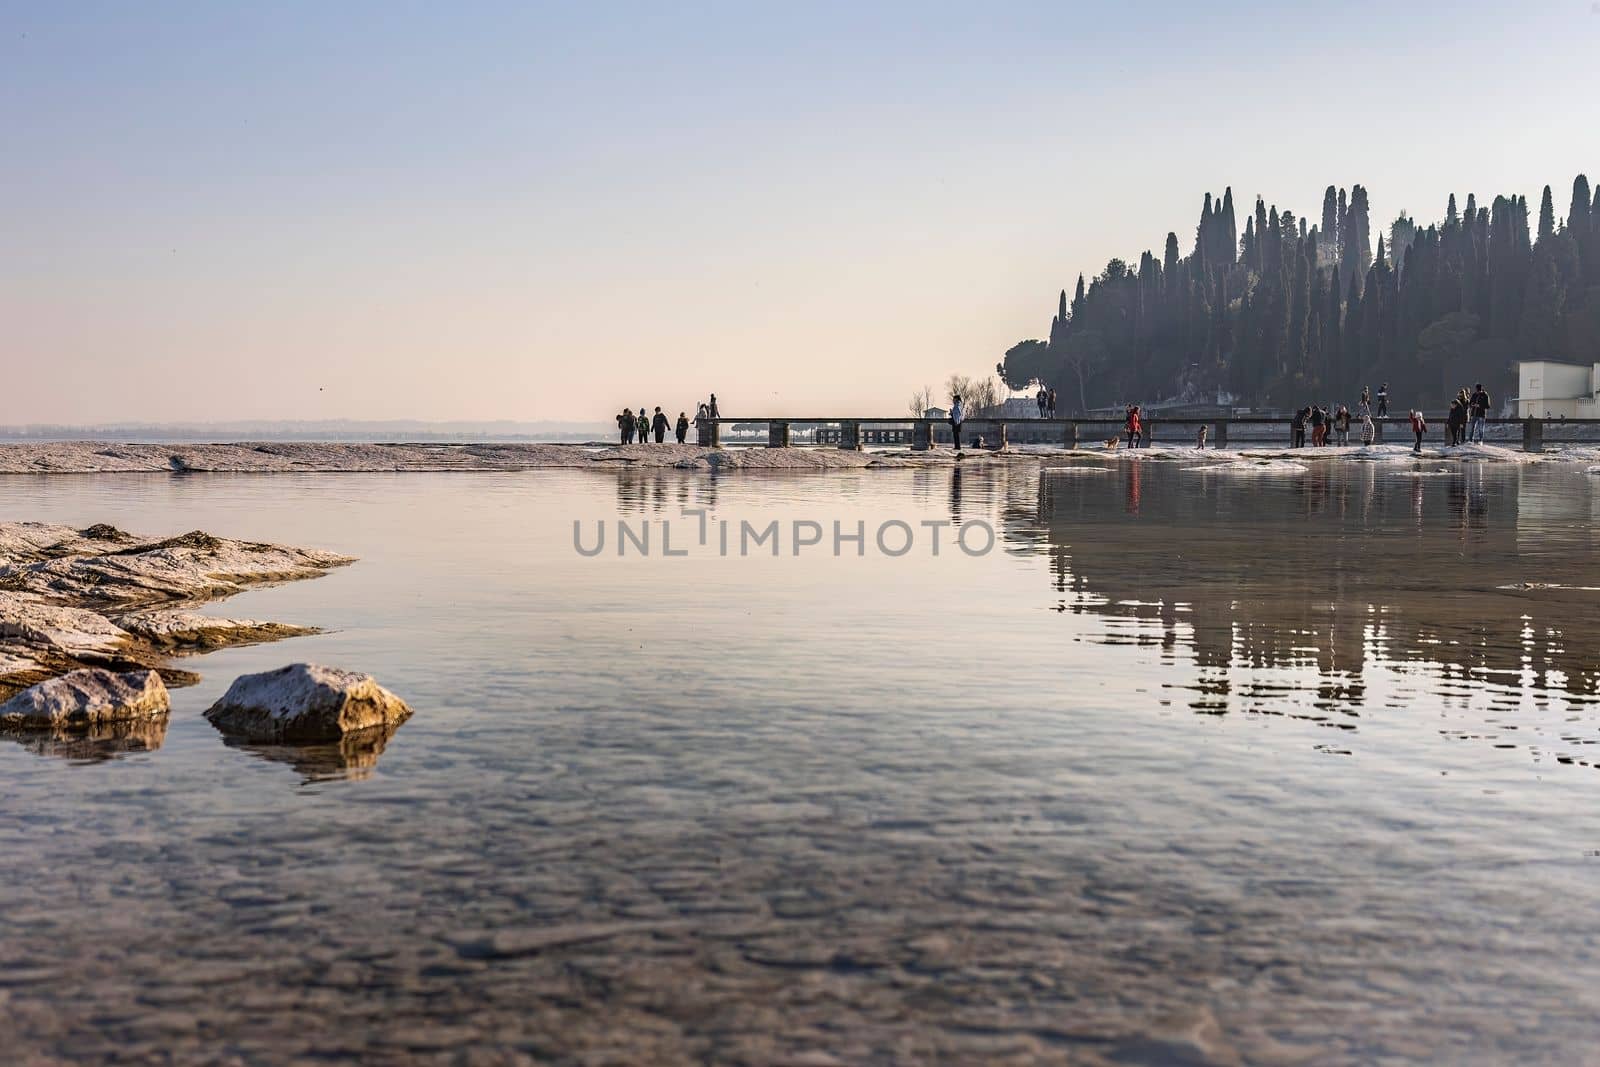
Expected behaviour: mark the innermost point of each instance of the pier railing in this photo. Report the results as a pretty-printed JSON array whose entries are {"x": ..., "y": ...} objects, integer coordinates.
[{"x": 997, "y": 432}]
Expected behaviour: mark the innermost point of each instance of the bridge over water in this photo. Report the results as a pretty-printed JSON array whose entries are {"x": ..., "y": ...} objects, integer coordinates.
[{"x": 996, "y": 432}]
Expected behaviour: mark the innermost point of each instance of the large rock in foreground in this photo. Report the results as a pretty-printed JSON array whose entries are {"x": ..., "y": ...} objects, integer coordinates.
[
  {"x": 87, "y": 698},
  {"x": 305, "y": 702}
]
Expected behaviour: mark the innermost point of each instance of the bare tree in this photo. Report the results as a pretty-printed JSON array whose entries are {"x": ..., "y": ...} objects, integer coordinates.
[
  {"x": 921, "y": 401},
  {"x": 980, "y": 395},
  {"x": 959, "y": 385}
]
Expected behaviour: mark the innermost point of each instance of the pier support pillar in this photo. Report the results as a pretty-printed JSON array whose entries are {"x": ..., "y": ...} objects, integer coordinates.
[
  {"x": 1377, "y": 431},
  {"x": 715, "y": 432},
  {"x": 1219, "y": 434},
  {"x": 777, "y": 435},
  {"x": 922, "y": 436},
  {"x": 1000, "y": 441},
  {"x": 850, "y": 436},
  {"x": 1069, "y": 438},
  {"x": 1533, "y": 435}
]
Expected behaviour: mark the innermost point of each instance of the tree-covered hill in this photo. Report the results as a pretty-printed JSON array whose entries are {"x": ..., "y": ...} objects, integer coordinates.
[{"x": 1290, "y": 312}]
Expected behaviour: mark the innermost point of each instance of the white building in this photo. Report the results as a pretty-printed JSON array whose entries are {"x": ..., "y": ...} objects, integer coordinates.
[{"x": 1558, "y": 390}]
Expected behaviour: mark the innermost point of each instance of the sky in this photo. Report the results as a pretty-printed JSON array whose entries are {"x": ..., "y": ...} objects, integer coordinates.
[{"x": 491, "y": 210}]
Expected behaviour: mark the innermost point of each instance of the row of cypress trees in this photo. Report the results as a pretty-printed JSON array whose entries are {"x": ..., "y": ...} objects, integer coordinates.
[{"x": 1289, "y": 312}]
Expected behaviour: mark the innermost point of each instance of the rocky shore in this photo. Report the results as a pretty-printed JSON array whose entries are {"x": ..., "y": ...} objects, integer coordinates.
[
  {"x": 307, "y": 457},
  {"x": 101, "y": 597}
]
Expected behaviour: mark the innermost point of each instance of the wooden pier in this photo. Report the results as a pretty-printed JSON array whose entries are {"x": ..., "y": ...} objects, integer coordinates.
[{"x": 1069, "y": 433}]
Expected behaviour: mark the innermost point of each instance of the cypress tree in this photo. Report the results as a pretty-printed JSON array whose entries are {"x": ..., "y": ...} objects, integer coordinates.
[
  {"x": 1333, "y": 339},
  {"x": 1354, "y": 366},
  {"x": 1261, "y": 233},
  {"x": 1061, "y": 312},
  {"x": 1547, "y": 216},
  {"x": 1228, "y": 240},
  {"x": 1357, "y": 249},
  {"x": 1578, "y": 214},
  {"x": 1450, "y": 216},
  {"x": 1330, "y": 222},
  {"x": 1540, "y": 328},
  {"x": 1300, "y": 314},
  {"x": 1272, "y": 247},
  {"x": 1169, "y": 260}
]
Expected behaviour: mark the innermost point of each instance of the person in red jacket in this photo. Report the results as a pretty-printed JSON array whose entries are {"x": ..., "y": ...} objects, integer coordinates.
[
  {"x": 1134, "y": 427},
  {"x": 1419, "y": 426}
]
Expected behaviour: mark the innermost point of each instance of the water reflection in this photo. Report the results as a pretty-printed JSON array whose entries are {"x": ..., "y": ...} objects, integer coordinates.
[
  {"x": 654, "y": 490},
  {"x": 92, "y": 744},
  {"x": 1286, "y": 593},
  {"x": 353, "y": 757}
]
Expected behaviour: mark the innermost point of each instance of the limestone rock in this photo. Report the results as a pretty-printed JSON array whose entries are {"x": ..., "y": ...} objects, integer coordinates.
[
  {"x": 85, "y": 699},
  {"x": 305, "y": 702},
  {"x": 189, "y": 631},
  {"x": 32, "y": 621},
  {"x": 193, "y": 566}
]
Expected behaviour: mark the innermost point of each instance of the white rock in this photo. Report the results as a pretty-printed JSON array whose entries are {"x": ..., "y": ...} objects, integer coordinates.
[
  {"x": 85, "y": 698},
  {"x": 190, "y": 630},
  {"x": 305, "y": 702},
  {"x": 28, "y": 620},
  {"x": 194, "y": 566}
]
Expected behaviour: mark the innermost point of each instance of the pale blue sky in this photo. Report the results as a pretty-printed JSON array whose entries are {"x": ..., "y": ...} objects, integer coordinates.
[{"x": 498, "y": 210}]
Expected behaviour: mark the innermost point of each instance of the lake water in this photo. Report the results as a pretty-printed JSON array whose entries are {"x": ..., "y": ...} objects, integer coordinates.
[{"x": 1193, "y": 766}]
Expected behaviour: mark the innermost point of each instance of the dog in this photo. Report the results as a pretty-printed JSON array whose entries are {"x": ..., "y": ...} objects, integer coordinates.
[{"x": 1112, "y": 443}]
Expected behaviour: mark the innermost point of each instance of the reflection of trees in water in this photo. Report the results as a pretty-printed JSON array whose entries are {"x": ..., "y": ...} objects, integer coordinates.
[{"x": 1343, "y": 566}]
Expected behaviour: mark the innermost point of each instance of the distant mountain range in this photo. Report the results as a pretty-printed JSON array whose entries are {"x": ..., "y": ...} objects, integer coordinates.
[{"x": 314, "y": 430}]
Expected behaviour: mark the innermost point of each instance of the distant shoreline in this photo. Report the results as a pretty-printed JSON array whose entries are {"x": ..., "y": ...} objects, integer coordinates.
[{"x": 307, "y": 457}]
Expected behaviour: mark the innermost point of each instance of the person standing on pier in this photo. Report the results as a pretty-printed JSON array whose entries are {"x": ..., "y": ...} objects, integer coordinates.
[
  {"x": 957, "y": 413},
  {"x": 1042, "y": 399},
  {"x": 711, "y": 408},
  {"x": 660, "y": 424},
  {"x": 1383, "y": 401},
  {"x": 682, "y": 427},
  {"x": 1134, "y": 427},
  {"x": 1480, "y": 413},
  {"x": 1341, "y": 425},
  {"x": 1455, "y": 422},
  {"x": 1050, "y": 402},
  {"x": 642, "y": 424},
  {"x": 1419, "y": 426},
  {"x": 1297, "y": 428},
  {"x": 625, "y": 426}
]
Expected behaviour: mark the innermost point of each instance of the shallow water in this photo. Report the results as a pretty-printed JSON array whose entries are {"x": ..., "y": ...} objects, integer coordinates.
[{"x": 1225, "y": 765}]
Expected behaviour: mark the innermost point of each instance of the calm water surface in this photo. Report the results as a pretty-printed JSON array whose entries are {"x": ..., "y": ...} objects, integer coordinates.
[{"x": 1194, "y": 766}]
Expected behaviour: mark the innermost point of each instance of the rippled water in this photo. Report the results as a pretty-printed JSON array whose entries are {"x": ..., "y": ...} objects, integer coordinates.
[{"x": 1195, "y": 765}]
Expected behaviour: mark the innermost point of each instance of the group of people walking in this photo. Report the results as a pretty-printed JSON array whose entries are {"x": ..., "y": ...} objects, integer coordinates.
[
  {"x": 1469, "y": 412},
  {"x": 642, "y": 425},
  {"x": 1047, "y": 402},
  {"x": 1321, "y": 422}
]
